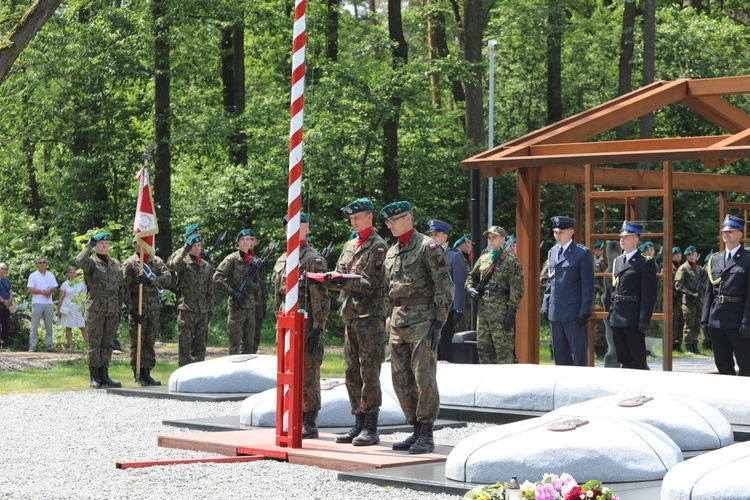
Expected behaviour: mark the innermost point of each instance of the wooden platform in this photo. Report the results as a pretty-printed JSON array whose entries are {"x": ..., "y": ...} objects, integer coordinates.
[{"x": 323, "y": 452}]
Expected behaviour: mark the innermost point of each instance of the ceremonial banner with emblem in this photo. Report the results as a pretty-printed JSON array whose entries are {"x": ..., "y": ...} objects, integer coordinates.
[{"x": 145, "y": 225}]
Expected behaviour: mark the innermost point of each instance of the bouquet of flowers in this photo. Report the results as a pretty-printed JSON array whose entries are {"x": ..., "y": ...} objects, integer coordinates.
[{"x": 551, "y": 487}]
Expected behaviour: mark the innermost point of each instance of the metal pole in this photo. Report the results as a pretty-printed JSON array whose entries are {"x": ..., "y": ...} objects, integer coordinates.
[{"x": 490, "y": 139}]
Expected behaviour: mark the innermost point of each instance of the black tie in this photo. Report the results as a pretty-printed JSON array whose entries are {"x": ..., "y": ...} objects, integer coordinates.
[
  {"x": 726, "y": 257},
  {"x": 559, "y": 254}
]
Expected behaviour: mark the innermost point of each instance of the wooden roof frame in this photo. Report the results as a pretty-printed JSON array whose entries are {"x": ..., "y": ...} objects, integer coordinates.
[{"x": 560, "y": 153}]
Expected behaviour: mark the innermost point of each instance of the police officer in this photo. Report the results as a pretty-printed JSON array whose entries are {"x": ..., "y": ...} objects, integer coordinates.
[
  {"x": 569, "y": 294},
  {"x": 726, "y": 310},
  {"x": 498, "y": 301},
  {"x": 229, "y": 277},
  {"x": 104, "y": 299},
  {"x": 160, "y": 277},
  {"x": 420, "y": 292},
  {"x": 196, "y": 287},
  {"x": 600, "y": 337},
  {"x": 460, "y": 269},
  {"x": 363, "y": 312},
  {"x": 440, "y": 231},
  {"x": 633, "y": 297},
  {"x": 313, "y": 297},
  {"x": 690, "y": 281}
]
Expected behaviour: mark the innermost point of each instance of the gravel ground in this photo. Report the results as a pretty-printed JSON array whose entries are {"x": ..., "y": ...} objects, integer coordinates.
[{"x": 65, "y": 445}]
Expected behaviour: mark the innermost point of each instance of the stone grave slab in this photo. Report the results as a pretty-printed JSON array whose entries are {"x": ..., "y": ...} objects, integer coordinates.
[
  {"x": 716, "y": 475},
  {"x": 691, "y": 424},
  {"x": 608, "y": 449},
  {"x": 248, "y": 373}
]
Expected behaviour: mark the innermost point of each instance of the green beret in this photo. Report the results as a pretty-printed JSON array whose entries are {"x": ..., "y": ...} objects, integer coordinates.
[
  {"x": 676, "y": 250},
  {"x": 463, "y": 238},
  {"x": 196, "y": 238},
  {"x": 690, "y": 250},
  {"x": 357, "y": 206},
  {"x": 598, "y": 244},
  {"x": 244, "y": 232},
  {"x": 708, "y": 257},
  {"x": 192, "y": 228},
  {"x": 509, "y": 242},
  {"x": 303, "y": 219},
  {"x": 395, "y": 208},
  {"x": 102, "y": 236}
]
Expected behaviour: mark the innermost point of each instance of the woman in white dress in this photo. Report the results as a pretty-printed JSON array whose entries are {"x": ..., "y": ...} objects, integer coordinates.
[{"x": 69, "y": 313}]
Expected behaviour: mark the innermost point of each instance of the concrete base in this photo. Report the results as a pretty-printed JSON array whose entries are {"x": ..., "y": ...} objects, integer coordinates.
[{"x": 163, "y": 392}]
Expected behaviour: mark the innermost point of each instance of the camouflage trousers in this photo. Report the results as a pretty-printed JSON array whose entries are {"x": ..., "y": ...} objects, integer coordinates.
[
  {"x": 600, "y": 333},
  {"x": 149, "y": 330},
  {"x": 364, "y": 352},
  {"x": 413, "y": 371},
  {"x": 102, "y": 330},
  {"x": 192, "y": 329},
  {"x": 678, "y": 322},
  {"x": 241, "y": 329},
  {"x": 260, "y": 312},
  {"x": 691, "y": 314},
  {"x": 311, "y": 375},
  {"x": 494, "y": 344}
]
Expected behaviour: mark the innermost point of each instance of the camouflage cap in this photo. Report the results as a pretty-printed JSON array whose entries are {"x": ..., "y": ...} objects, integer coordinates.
[
  {"x": 192, "y": 228},
  {"x": 102, "y": 236},
  {"x": 690, "y": 249},
  {"x": 357, "y": 206},
  {"x": 303, "y": 219},
  {"x": 244, "y": 232},
  {"x": 495, "y": 230},
  {"x": 463, "y": 238},
  {"x": 395, "y": 208}
]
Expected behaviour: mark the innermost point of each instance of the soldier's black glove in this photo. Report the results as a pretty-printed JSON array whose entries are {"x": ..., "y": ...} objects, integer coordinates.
[
  {"x": 136, "y": 317},
  {"x": 237, "y": 296},
  {"x": 510, "y": 320},
  {"x": 91, "y": 243},
  {"x": 331, "y": 281},
  {"x": 643, "y": 328},
  {"x": 143, "y": 279},
  {"x": 745, "y": 331},
  {"x": 473, "y": 292},
  {"x": 314, "y": 342},
  {"x": 335, "y": 304},
  {"x": 694, "y": 295},
  {"x": 675, "y": 294},
  {"x": 188, "y": 246},
  {"x": 265, "y": 310},
  {"x": 544, "y": 314},
  {"x": 457, "y": 315},
  {"x": 583, "y": 320},
  {"x": 434, "y": 335}
]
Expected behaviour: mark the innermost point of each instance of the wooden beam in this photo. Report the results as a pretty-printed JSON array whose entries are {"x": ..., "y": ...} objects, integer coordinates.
[
  {"x": 668, "y": 279},
  {"x": 711, "y": 155},
  {"x": 719, "y": 86},
  {"x": 719, "y": 112},
  {"x": 627, "y": 193},
  {"x": 528, "y": 212},
  {"x": 635, "y": 145}
]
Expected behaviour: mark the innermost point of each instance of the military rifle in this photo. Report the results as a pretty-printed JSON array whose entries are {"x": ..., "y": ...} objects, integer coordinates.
[
  {"x": 257, "y": 267},
  {"x": 328, "y": 250},
  {"x": 217, "y": 243},
  {"x": 700, "y": 280},
  {"x": 488, "y": 274},
  {"x": 166, "y": 296}
]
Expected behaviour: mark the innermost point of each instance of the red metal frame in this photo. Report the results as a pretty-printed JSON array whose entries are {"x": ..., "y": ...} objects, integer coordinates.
[{"x": 289, "y": 335}]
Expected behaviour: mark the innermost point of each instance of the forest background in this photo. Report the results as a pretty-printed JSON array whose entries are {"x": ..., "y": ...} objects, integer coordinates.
[{"x": 396, "y": 97}]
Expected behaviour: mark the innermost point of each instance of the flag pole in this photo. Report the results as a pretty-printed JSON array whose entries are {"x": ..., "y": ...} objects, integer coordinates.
[{"x": 140, "y": 312}]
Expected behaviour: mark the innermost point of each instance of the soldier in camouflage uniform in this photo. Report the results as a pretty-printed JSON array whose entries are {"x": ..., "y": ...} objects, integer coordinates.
[
  {"x": 690, "y": 281},
  {"x": 103, "y": 302},
  {"x": 261, "y": 299},
  {"x": 678, "y": 321},
  {"x": 190, "y": 230},
  {"x": 419, "y": 298},
  {"x": 462, "y": 317},
  {"x": 363, "y": 312},
  {"x": 160, "y": 277},
  {"x": 313, "y": 298},
  {"x": 600, "y": 337},
  {"x": 498, "y": 302},
  {"x": 241, "y": 305},
  {"x": 196, "y": 289}
]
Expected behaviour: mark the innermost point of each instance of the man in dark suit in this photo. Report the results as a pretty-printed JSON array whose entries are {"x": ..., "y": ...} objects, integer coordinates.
[
  {"x": 633, "y": 298},
  {"x": 569, "y": 295},
  {"x": 726, "y": 310}
]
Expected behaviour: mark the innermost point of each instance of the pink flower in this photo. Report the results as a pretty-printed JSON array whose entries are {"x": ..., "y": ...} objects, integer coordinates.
[{"x": 575, "y": 493}]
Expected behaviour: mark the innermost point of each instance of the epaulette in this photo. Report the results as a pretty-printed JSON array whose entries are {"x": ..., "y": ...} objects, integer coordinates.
[
  {"x": 582, "y": 247},
  {"x": 648, "y": 257}
]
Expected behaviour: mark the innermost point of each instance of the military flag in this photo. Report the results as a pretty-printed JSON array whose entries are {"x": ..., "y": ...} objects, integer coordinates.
[{"x": 145, "y": 225}]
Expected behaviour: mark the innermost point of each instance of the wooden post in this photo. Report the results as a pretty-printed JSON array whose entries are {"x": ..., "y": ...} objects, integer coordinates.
[{"x": 528, "y": 211}]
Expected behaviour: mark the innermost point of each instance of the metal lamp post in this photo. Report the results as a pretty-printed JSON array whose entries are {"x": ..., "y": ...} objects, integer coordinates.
[{"x": 490, "y": 139}]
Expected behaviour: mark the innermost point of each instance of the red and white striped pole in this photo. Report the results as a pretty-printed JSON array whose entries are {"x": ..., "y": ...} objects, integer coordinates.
[{"x": 289, "y": 379}]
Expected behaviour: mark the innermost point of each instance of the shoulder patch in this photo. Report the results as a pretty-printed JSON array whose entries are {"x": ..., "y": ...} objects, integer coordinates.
[
  {"x": 318, "y": 260},
  {"x": 433, "y": 246},
  {"x": 380, "y": 250}
]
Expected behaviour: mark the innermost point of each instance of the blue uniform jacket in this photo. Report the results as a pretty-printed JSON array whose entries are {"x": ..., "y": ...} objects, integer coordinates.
[
  {"x": 570, "y": 287},
  {"x": 459, "y": 274},
  {"x": 732, "y": 280},
  {"x": 634, "y": 278}
]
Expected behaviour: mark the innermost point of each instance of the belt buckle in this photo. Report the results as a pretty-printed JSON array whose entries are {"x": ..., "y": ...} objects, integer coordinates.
[
  {"x": 721, "y": 299},
  {"x": 488, "y": 293}
]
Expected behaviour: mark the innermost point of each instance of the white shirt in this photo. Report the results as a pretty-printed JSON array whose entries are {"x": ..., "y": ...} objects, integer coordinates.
[
  {"x": 41, "y": 282},
  {"x": 630, "y": 255}
]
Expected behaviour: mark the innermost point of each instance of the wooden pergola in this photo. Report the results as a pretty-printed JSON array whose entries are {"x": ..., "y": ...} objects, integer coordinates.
[{"x": 558, "y": 154}]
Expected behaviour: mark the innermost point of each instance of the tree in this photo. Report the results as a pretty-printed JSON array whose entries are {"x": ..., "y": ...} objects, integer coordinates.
[
  {"x": 625, "y": 61},
  {"x": 555, "y": 30},
  {"x": 162, "y": 124}
]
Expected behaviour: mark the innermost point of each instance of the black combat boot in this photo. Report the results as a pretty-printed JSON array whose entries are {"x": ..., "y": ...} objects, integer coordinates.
[
  {"x": 369, "y": 435},
  {"x": 105, "y": 380},
  {"x": 95, "y": 381},
  {"x": 425, "y": 443},
  {"x": 309, "y": 425},
  {"x": 354, "y": 431},
  {"x": 707, "y": 344},
  {"x": 146, "y": 377},
  {"x": 138, "y": 379},
  {"x": 406, "y": 443},
  {"x": 676, "y": 347},
  {"x": 694, "y": 348}
]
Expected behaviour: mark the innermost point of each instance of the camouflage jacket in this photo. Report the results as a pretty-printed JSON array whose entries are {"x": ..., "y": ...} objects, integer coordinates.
[
  {"x": 194, "y": 282},
  {"x": 366, "y": 296},
  {"x": 420, "y": 287},
  {"x": 130, "y": 271},
  {"x": 312, "y": 296},
  {"x": 507, "y": 277},
  {"x": 104, "y": 282},
  {"x": 686, "y": 281},
  {"x": 232, "y": 272}
]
